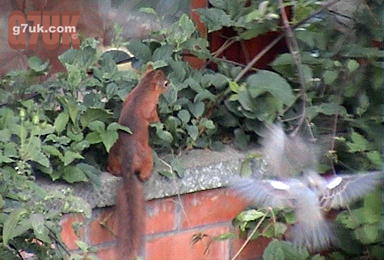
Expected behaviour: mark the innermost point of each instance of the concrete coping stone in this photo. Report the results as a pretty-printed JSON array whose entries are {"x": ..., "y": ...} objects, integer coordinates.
[{"x": 203, "y": 170}]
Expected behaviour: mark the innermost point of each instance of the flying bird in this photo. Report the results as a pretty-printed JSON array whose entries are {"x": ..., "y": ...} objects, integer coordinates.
[
  {"x": 293, "y": 183},
  {"x": 310, "y": 197}
]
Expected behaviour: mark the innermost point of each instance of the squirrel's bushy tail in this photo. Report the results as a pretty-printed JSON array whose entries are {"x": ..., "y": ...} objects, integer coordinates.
[{"x": 131, "y": 215}]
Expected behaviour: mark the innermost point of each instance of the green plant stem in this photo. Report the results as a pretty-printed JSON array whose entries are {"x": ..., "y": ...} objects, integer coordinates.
[{"x": 249, "y": 237}]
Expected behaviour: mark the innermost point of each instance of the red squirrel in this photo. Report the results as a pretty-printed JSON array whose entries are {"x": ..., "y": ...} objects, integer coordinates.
[{"x": 131, "y": 158}]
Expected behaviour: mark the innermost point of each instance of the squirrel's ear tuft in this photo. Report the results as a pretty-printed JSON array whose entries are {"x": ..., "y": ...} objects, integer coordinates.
[{"x": 149, "y": 67}]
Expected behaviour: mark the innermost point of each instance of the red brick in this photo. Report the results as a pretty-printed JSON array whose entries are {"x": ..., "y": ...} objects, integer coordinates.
[
  {"x": 254, "y": 249},
  {"x": 210, "y": 206},
  {"x": 160, "y": 216},
  {"x": 108, "y": 253},
  {"x": 68, "y": 234},
  {"x": 104, "y": 227},
  {"x": 201, "y": 28},
  {"x": 195, "y": 4},
  {"x": 179, "y": 246}
]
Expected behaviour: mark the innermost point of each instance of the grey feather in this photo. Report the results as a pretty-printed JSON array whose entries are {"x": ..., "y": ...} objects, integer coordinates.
[
  {"x": 260, "y": 192},
  {"x": 285, "y": 155},
  {"x": 314, "y": 237},
  {"x": 344, "y": 189}
]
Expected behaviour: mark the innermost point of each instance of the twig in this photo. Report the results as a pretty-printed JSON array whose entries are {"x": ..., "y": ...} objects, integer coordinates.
[
  {"x": 294, "y": 49},
  {"x": 180, "y": 201},
  {"x": 258, "y": 57},
  {"x": 17, "y": 251},
  {"x": 57, "y": 240},
  {"x": 234, "y": 63},
  {"x": 244, "y": 50},
  {"x": 249, "y": 237},
  {"x": 223, "y": 47},
  {"x": 278, "y": 38},
  {"x": 270, "y": 46},
  {"x": 103, "y": 223}
]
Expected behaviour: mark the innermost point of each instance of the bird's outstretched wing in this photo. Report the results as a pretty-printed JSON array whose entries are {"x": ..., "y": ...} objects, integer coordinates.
[
  {"x": 263, "y": 193},
  {"x": 343, "y": 189}
]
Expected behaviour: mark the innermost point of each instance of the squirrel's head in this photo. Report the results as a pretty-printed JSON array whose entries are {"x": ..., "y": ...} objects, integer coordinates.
[{"x": 157, "y": 79}]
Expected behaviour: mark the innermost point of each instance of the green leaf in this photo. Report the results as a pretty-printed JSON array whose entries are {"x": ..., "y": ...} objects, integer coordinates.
[
  {"x": 76, "y": 204},
  {"x": 234, "y": 86},
  {"x": 61, "y": 122},
  {"x": 246, "y": 100},
  {"x": 111, "y": 90},
  {"x": 203, "y": 95},
  {"x": 80, "y": 146},
  {"x": 367, "y": 234},
  {"x": 147, "y": 10},
  {"x": 94, "y": 114},
  {"x": 348, "y": 220},
  {"x": 51, "y": 150},
  {"x": 284, "y": 250},
  {"x": 109, "y": 138},
  {"x": 166, "y": 173},
  {"x": 279, "y": 229},
  {"x": 197, "y": 109},
  {"x": 241, "y": 139},
  {"x": 273, "y": 252},
  {"x": 36, "y": 64},
  {"x": 35, "y": 154},
  {"x": 97, "y": 126},
  {"x": 290, "y": 217},
  {"x": 73, "y": 174},
  {"x": 268, "y": 81},
  {"x": 73, "y": 110},
  {"x": 1, "y": 202},
  {"x": 214, "y": 18},
  {"x": 193, "y": 131},
  {"x": 376, "y": 158},
  {"x": 159, "y": 64},
  {"x": 318, "y": 257},
  {"x": 330, "y": 76},
  {"x": 93, "y": 138},
  {"x": 328, "y": 109},
  {"x": 116, "y": 126},
  {"x": 140, "y": 50},
  {"x": 250, "y": 215},
  {"x": 163, "y": 53},
  {"x": 363, "y": 104},
  {"x": 218, "y": 80},
  {"x": 164, "y": 135},
  {"x": 70, "y": 156},
  {"x": 358, "y": 144},
  {"x": 207, "y": 123},
  {"x": 40, "y": 231},
  {"x": 221, "y": 4},
  {"x": 184, "y": 116},
  {"x": 74, "y": 75},
  {"x": 84, "y": 247},
  {"x": 224, "y": 236},
  {"x": 92, "y": 173},
  {"x": 10, "y": 224},
  {"x": 352, "y": 65},
  {"x": 181, "y": 31}
]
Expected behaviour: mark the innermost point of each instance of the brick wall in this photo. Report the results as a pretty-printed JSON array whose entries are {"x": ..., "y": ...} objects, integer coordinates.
[{"x": 171, "y": 224}]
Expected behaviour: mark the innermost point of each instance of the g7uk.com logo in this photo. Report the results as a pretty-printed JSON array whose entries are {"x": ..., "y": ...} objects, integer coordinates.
[{"x": 56, "y": 29}]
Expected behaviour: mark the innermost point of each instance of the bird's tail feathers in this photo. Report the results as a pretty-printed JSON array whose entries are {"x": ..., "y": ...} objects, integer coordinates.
[{"x": 313, "y": 236}]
